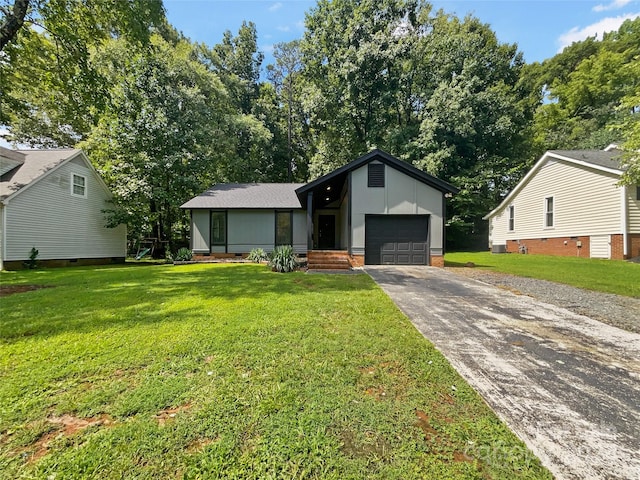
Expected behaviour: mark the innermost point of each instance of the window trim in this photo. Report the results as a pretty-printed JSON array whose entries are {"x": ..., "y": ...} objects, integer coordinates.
[
  {"x": 211, "y": 241},
  {"x": 383, "y": 178},
  {"x": 73, "y": 185},
  {"x": 552, "y": 212},
  {"x": 275, "y": 233},
  {"x": 511, "y": 218}
]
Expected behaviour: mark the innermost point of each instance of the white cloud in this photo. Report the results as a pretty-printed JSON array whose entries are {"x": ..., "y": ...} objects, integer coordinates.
[
  {"x": 267, "y": 48},
  {"x": 300, "y": 25},
  {"x": 275, "y": 7},
  {"x": 614, "y": 5},
  {"x": 283, "y": 28},
  {"x": 608, "y": 24}
]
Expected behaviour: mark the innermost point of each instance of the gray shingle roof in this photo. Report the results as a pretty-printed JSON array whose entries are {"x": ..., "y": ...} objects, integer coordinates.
[
  {"x": 36, "y": 164},
  {"x": 601, "y": 158},
  {"x": 248, "y": 195}
]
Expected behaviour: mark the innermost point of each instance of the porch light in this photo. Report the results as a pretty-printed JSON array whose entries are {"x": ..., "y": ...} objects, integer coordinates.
[
  {"x": 328, "y": 188},
  {"x": 327, "y": 199}
]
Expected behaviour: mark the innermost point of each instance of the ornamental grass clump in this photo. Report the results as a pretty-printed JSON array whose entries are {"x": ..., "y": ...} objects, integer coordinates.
[
  {"x": 257, "y": 255},
  {"x": 283, "y": 259},
  {"x": 183, "y": 255}
]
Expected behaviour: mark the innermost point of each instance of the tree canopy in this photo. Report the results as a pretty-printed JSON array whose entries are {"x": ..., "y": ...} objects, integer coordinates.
[{"x": 163, "y": 118}]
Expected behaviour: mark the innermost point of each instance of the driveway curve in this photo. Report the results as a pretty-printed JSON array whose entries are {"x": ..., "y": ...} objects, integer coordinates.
[{"x": 567, "y": 385}]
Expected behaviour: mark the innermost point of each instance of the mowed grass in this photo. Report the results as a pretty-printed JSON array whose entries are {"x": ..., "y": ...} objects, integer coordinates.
[
  {"x": 609, "y": 276},
  {"x": 232, "y": 371}
]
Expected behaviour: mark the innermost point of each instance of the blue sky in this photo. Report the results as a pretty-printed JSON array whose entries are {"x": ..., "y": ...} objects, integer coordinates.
[{"x": 541, "y": 28}]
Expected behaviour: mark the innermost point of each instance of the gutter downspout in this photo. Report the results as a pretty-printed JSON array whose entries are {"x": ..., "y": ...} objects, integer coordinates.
[{"x": 625, "y": 223}]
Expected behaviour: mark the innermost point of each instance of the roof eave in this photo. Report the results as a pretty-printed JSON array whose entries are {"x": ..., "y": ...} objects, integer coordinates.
[{"x": 404, "y": 167}]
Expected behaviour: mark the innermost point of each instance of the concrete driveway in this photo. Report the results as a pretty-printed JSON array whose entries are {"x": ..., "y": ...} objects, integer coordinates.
[{"x": 567, "y": 385}]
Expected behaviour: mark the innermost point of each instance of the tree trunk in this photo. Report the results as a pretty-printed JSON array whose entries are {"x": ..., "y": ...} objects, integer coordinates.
[{"x": 13, "y": 22}]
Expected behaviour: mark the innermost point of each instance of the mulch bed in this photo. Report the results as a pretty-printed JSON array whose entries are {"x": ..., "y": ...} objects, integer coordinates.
[{"x": 6, "y": 290}]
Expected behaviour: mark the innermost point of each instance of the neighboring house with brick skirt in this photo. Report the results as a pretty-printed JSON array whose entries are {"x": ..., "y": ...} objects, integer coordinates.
[
  {"x": 570, "y": 203},
  {"x": 374, "y": 210},
  {"x": 54, "y": 201}
]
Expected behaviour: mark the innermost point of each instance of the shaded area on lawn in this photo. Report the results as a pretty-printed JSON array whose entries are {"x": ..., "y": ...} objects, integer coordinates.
[
  {"x": 232, "y": 371},
  {"x": 122, "y": 295}
]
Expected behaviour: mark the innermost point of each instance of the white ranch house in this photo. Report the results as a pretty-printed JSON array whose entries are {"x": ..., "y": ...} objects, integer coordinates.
[{"x": 570, "y": 203}]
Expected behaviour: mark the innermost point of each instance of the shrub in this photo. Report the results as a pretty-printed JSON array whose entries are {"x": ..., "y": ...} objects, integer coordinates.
[
  {"x": 183, "y": 255},
  {"x": 33, "y": 258},
  {"x": 283, "y": 259},
  {"x": 257, "y": 255}
]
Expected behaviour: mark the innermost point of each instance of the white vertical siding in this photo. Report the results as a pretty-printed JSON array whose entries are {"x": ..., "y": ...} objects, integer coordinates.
[
  {"x": 586, "y": 202},
  {"x": 62, "y": 226},
  {"x": 402, "y": 195},
  {"x": 249, "y": 229},
  {"x": 633, "y": 209},
  {"x": 200, "y": 230},
  {"x": 300, "y": 231}
]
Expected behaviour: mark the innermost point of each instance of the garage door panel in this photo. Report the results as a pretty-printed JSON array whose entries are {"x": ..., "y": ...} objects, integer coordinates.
[
  {"x": 396, "y": 239},
  {"x": 404, "y": 246}
]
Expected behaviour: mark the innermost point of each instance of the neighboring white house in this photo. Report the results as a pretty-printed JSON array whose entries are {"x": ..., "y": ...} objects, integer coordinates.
[
  {"x": 53, "y": 200},
  {"x": 374, "y": 210},
  {"x": 570, "y": 204}
]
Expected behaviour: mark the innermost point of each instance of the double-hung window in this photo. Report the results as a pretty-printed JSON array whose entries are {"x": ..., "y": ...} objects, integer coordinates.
[
  {"x": 548, "y": 212},
  {"x": 78, "y": 185},
  {"x": 512, "y": 220}
]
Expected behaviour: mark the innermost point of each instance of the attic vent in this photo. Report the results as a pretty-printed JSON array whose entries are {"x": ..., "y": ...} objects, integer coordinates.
[{"x": 376, "y": 175}]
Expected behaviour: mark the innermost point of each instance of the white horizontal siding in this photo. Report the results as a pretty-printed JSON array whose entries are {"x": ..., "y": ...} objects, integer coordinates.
[
  {"x": 586, "y": 202},
  {"x": 498, "y": 227},
  {"x": 62, "y": 226},
  {"x": 633, "y": 209},
  {"x": 600, "y": 246}
]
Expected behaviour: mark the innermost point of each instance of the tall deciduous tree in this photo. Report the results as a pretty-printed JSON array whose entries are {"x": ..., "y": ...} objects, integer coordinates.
[
  {"x": 164, "y": 135},
  {"x": 437, "y": 91},
  {"x": 51, "y": 91}
]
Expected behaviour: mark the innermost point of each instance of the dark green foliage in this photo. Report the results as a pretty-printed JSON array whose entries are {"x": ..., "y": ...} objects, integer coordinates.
[
  {"x": 183, "y": 255},
  {"x": 283, "y": 259},
  {"x": 33, "y": 258}
]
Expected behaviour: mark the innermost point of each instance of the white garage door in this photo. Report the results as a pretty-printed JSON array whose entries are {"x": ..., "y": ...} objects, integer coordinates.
[{"x": 600, "y": 246}]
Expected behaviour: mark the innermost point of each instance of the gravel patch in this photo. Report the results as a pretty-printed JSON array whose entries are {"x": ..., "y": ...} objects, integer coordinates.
[{"x": 616, "y": 310}]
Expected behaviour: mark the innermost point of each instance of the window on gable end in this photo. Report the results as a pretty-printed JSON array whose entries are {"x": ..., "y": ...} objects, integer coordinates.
[
  {"x": 548, "y": 212},
  {"x": 512, "y": 223},
  {"x": 375, "y": 175},
  {"x": 78, "y": 185}
]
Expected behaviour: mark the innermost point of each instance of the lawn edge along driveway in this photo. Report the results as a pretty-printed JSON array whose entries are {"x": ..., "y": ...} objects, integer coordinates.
[{"x": 567, "y": 385}]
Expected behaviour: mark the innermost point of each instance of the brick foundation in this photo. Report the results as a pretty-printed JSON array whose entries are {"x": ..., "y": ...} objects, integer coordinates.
[
  {"x": 201, "y": 257},
  {"x": 568, "y": 246},
  {"x": 436, "y": 261},
  {"x": 356, "y": 260},
  {"x": 617, "y": 247},
  {"x": 57, "y": 263},
  {"x": 561, "y": 246},
  {"x": 634, "y": 246}
]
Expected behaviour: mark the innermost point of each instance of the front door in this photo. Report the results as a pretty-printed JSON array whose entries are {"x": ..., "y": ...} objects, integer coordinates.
[{"x": 326, "y": 232}]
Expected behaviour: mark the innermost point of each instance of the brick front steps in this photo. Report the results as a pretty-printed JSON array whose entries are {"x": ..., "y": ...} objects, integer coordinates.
[{"x": 328, "y": 260}]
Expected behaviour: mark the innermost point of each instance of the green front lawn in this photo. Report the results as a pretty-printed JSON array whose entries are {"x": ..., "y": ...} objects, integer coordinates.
[
  {"x": 610, "y": 276},
  {"x": 232, "y": 371}
]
